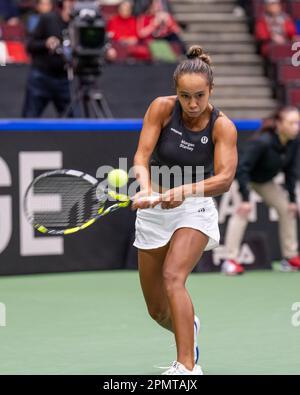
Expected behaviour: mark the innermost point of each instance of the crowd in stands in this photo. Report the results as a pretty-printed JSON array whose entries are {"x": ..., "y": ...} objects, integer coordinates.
[
  {"x": 146, "y": 30},
  {"x": 275, "y": 25},
  {"x": 138, "y": 27},
  {"x": 139, "y": 30},
  {"x": 276, "y": 29}
]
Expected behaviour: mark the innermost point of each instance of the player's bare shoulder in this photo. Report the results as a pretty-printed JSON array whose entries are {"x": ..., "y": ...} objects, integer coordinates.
[
  {"x": 164, "y": 104},
  {"x": 224, "y": 128},
  {"x": 162, "y": 108}
]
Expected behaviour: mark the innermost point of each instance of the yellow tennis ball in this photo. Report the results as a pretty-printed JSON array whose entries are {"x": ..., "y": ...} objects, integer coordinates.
[{"x": 117, "y": 178}]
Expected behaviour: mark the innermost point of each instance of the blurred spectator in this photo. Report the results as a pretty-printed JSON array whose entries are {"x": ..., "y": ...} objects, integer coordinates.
[
  {"x": 122, "y": 27},
  {"x": 141, "y": 6},
  {"x": 274, "y": 26},
  {"x": 47, "y": 81},
  {"x": 41, "y": 7},
  {"x": 109, "y": 2},
  {"x": 12, "y": 32},
  {"x": 159, "y": 24}
]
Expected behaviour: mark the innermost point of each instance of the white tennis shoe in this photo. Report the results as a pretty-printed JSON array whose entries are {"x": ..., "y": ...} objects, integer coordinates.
[
  {"x": 196, "y": 333},
  {"x": 178, "y": 369}
]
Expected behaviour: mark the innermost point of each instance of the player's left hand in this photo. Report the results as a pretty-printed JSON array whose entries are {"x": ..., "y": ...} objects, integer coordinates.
[{"x": 171, "y": 198}]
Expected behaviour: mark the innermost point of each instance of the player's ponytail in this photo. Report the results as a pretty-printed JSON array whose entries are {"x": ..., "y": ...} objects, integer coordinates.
[
  {"x": 196, "y": 52},
  {"x": 197, "y": 62}
]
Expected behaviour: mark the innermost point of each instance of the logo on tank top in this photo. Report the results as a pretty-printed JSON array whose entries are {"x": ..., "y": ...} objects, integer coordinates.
[
  {"x": 176, "y": 131},
  {"x": 186, "y": 145},
  {"x": 204, "y": 140}
]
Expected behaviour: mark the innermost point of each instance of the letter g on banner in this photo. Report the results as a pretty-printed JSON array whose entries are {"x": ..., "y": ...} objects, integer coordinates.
[{"x": 28, "y": 163}]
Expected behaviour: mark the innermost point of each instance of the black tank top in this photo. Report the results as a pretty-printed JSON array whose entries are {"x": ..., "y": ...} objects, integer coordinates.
[{"x": 186, "y": 149}]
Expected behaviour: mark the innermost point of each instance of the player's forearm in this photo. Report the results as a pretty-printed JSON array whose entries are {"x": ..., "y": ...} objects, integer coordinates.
[
  {"x": 141, "y": 171},
  {"x": 213, "y": 186}
]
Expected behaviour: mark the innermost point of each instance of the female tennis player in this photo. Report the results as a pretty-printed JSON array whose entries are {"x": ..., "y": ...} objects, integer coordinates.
[
  {"x": 173, "y": 231},
  {"x": 273, "y": 150}
]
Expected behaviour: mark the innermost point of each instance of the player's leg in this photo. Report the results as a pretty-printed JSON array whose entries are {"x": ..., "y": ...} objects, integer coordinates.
[
  {"x": 150, "y": 264},
  {"x": 186, "y": 248}
]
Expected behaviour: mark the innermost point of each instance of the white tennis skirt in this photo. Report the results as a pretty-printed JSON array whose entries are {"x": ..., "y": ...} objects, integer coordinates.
[{"x": 154, "y": 227}]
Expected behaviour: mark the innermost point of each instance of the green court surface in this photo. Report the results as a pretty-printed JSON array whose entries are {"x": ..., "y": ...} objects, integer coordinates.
[{"x": 97, "y": 323}]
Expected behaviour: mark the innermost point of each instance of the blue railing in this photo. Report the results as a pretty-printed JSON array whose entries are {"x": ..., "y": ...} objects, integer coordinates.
[{"x": 88, "y": 125}]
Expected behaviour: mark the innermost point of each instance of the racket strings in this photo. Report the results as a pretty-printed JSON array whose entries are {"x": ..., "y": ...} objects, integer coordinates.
[{"x": 77, "y": 198}]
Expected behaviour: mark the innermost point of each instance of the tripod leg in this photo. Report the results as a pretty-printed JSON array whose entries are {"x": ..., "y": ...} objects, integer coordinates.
[
  {"x": 97, "y": 109},
  {"x": 102, "y": 103},
  {"x": 75, "y": 108},
  {"x": 86, "y": 109}
]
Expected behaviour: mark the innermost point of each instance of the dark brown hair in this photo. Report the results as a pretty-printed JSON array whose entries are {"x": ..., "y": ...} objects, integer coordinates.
[
  {"x": 197, "y": 62},
  {"x": 269, "y": 124}
]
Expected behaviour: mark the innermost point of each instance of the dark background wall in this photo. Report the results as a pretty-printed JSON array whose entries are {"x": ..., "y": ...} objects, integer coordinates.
[{"x": 128, "y": 89}]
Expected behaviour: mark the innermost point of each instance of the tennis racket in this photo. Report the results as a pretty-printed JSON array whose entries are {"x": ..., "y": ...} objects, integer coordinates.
[{"x": 63, "y": 202}]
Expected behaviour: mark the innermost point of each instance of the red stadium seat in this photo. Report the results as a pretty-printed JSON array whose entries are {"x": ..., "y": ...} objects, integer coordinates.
[
  {"x": 280, "y": 52},
  {"x": 288, "y": 73},
  {"x": 13, "y": 32},
  {"x": 293, "y": 96},
  {"x": 295, "y": 9}
]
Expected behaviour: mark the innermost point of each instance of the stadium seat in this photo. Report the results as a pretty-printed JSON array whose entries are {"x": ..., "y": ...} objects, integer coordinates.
[
  {"x": 295, "y": 9},
  {"x": 287, "y": 73},
  {"x": 280, "y": 52},
  {"x": 293, "y": 95},
  {"x": 13, "y": 32}
]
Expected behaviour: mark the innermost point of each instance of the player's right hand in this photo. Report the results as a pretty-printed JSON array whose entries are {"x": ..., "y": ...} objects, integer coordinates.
[{"x": 144, "y": 199}]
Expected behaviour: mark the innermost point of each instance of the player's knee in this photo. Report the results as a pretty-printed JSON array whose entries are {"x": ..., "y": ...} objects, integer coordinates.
[{"x": 172, "y": 280}]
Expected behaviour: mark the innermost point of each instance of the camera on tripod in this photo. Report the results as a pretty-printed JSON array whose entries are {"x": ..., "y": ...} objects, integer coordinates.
[
  {"x": 86, "y": 38},
  {"x": 84, "y": 46}
]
